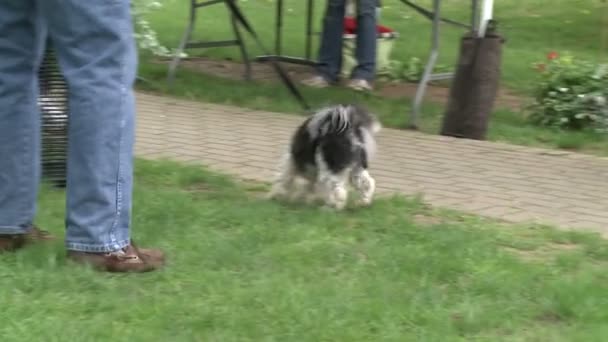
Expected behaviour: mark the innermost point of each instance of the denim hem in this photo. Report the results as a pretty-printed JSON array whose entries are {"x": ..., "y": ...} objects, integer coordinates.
[
  {"x": 105, "y": 248},
  {"x": 6, "y": 230}
]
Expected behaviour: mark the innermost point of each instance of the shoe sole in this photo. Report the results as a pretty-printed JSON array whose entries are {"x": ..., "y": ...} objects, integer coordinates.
[{"x": 105, "y": 266}]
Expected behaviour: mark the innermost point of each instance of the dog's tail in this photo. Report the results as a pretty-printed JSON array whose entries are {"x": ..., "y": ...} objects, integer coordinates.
[{"x": 331, "y": 120}]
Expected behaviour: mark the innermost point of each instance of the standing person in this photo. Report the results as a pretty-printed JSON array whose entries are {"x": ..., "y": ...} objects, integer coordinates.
[
  {"x": 97, "y": 54},
  {"x": 330, "y": 52}
]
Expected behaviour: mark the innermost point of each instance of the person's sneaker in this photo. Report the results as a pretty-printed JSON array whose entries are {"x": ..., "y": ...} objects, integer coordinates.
[
  {"x": 360, "y": 85},
  {"x": 316, "y": 82},
  {"x": 13, "y": 242},
  {"x": 127, "y": 260}
]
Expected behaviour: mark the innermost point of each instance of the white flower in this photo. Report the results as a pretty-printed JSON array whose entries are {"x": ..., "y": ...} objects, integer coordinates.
[{"x": 144, "y": 34}]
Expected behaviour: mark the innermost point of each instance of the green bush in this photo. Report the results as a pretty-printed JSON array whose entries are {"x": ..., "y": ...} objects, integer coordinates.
[{"x": 571, "y": 94}]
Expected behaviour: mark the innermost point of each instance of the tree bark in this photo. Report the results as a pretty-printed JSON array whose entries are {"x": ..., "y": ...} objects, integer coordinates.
[{"x": 474, "y": 88}]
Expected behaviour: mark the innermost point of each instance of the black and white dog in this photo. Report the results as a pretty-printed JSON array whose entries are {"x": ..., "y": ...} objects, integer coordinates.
[{"x": 330, "y": 150}]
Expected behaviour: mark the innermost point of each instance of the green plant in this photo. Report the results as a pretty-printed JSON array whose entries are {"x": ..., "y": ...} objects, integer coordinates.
[
  {"x": 571, "y": 94},
  {"x": 146, "y": 37},
  {"x": 410, "y": 71}
]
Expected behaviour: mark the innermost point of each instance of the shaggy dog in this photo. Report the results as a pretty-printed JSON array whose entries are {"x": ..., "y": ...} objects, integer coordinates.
[{"x": 330, "y": 150}]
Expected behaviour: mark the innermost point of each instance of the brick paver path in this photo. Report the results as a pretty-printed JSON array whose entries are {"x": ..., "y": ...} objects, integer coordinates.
[{"x": 502, "y": 181}]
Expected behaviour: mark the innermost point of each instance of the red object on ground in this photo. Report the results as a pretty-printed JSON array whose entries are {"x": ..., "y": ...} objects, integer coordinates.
[
  {"x": 350, "y": 27},
  {"x": 552, "y": 55}
]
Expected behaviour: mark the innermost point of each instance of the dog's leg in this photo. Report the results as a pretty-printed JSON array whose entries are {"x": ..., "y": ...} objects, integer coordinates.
[
  {"x": 284, "y": 182},
  {"x": 299, "y": 189},
  {"x": 338, "y": 195},
  {"x": 333, "y": 186},
  {"x": 312, "y": 192},
  {"x": 365, "y": 185},
  {"x": 334, "y": 191}
]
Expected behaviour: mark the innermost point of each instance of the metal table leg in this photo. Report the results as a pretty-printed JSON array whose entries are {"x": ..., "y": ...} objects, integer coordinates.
[
  {"x": 186, "y": 42},
  {"x": 279, "y": 38},
  {"x": 182, "y": 44},
  {"x": 242, "y": 47},
  {"x": 474, "y": 16},
  {"x": 428, "y": 70},
  {"x": 428, "y": 75},
  {"x": 309, "y": 33}
]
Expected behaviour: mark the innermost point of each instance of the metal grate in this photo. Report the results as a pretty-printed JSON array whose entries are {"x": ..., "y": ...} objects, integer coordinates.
[{"x": 53, "y": 102}]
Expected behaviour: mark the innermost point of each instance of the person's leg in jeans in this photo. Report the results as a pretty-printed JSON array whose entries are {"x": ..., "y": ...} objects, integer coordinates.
[
  {"x": 19, "y": 121},
  {"x": 366, "y": 43},
  {"x": 97, "y": 54},
  {"x": 95, "y": 47},
  {"x": 330, "y": 51}
]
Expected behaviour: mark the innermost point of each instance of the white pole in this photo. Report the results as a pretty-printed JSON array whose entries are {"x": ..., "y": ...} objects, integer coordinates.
[
  {"x": 350, "y": 9},
  {"x": 486, "y": 15}
]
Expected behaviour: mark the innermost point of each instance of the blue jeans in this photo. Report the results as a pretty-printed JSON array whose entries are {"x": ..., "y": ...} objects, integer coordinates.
[
  {"x": 330, "y": 52},
  {"x": 97, "y": 54}
]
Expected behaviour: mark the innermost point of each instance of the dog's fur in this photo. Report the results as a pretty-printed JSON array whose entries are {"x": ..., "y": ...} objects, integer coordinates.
[{"x": 330, "y": 150}]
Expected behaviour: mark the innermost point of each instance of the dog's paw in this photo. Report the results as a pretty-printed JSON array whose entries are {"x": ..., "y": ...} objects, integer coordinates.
[
  {"x": 335, "y": 206},
  {"x": 311, "y": 198},
  {"x": 331, "y": 208},
  {"x": 276, "y": 195},
  {"x": 364, "y": 202}
]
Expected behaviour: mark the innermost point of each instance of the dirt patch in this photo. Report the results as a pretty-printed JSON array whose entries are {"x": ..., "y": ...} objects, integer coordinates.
[
  {"x": 542, "y": 254},
  {"x": 199, "y": 188},
  {"x": 440, "y": 92},
  {"x": 232, "y": 70},
  {"x": 254, "y": 188},
  {"x": 549, "y": 318},
  {"x": 437, "y": 92},
  {"x": 426, "y": 220}
]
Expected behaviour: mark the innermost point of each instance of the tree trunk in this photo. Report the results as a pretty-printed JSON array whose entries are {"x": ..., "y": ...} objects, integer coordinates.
[{"x": 474, "y": 88}]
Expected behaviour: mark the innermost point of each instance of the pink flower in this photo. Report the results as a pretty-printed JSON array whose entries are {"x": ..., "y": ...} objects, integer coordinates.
[{"x": 552, "y": 55}]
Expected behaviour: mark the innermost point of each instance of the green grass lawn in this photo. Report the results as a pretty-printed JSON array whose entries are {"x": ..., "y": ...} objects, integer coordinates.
[
  {"x": 532, "y": 27},
  {"x": 245, "y": 269}
]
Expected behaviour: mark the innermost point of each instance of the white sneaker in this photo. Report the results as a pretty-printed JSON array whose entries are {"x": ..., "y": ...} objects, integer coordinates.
[
  {"x": 316, "y": 82},
  {"x": 360, "y": 85}
]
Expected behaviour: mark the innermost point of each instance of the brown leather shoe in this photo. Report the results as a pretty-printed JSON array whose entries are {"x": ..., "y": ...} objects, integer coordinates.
[
  {"x": 13, "y": 242},
  {"x": 127, "y": 260},
  {"x": 155, "y": 257}
]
